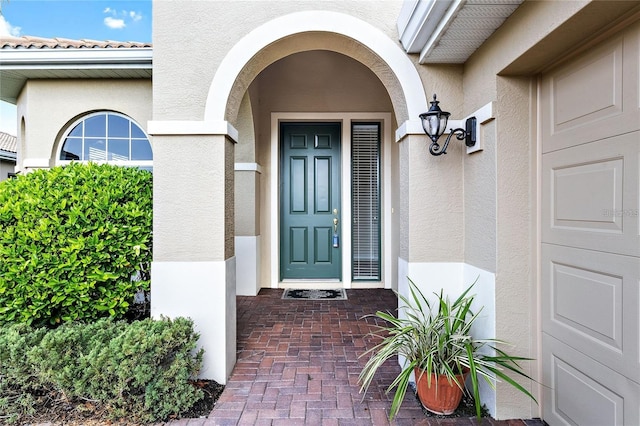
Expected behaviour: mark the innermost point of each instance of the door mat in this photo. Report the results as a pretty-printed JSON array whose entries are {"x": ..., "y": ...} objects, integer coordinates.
[{"x": 336, "y": 294}]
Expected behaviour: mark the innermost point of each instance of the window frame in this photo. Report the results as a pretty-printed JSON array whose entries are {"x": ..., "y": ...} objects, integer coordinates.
[{"x": 144, "y": 164}]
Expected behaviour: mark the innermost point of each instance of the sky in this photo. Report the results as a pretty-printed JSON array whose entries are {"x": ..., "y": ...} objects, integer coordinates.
[{"x": 119, "y": 20}]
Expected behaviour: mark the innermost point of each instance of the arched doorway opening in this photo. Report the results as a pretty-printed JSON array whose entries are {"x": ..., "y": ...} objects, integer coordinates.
[{"x": 322, "y": 87}]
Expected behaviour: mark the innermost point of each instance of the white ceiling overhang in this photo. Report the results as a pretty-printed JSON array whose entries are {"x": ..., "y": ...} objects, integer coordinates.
[
  {"x": 449, "y": 31},
  {"x": 17, "y": 65}
]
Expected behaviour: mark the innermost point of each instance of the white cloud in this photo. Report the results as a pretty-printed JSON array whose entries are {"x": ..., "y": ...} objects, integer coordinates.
[
  {"x": 6, "y": 29},
  {"x": 118, "y": 19},
  {"x": 113, "y": 23},
  {"x": 135, "y": 16}
]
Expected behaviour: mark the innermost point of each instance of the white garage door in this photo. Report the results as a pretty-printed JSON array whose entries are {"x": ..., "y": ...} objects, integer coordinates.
[{"x": 591, "y": 236}]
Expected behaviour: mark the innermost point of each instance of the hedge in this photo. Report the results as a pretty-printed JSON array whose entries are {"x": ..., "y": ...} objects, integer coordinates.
[
  {"x": 75, "y": 243},
  {"x": 140, "y": 370}
]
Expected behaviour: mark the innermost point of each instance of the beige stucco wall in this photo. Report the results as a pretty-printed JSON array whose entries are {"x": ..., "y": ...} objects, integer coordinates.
[
  {"x": 49, "y": 106},
  {"x": 247, "y": 182},
  {"x": 500, "y": 183},
  {"x": 480, "y": 202},
  {"x": 185, "y": 98},
  {"x": 184, "y": 206},
  {"x": 479, "y": 209}
]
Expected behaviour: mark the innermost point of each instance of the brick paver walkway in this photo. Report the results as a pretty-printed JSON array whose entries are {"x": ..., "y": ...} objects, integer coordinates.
[{"x": 298, "y": 364}]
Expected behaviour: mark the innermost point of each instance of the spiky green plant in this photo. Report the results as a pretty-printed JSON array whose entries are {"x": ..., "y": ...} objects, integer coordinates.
[{"x": 435, "y": 336}]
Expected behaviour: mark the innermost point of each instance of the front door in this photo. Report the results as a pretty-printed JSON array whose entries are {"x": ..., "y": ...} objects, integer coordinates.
[{"x": 310, "y": 246}]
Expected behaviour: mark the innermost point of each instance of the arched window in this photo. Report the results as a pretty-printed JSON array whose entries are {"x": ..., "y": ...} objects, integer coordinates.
[{"x": 107, "y": 137}]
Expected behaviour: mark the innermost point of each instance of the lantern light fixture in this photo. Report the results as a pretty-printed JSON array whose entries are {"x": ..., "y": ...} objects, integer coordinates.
[{"x": 434, "y": 123}]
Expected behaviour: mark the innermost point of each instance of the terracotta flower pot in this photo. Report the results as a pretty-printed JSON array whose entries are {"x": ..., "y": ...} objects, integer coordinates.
[{"x": 442, "y": 397}]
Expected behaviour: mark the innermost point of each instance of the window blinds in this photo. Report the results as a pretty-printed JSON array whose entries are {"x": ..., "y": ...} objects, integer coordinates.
[{"x": 365, "y": 193}]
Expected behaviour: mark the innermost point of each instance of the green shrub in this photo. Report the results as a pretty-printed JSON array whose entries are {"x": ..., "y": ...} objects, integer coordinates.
[
  {"x": 140, "y": 370},
  {"x": 19, "y": 383},
  {"x": 71, "y": 240}
]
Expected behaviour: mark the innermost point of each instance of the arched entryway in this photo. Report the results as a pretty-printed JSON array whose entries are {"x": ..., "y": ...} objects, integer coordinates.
[
  {"x": 337, "y": 69},
  {"x": 208, "y": 286}
]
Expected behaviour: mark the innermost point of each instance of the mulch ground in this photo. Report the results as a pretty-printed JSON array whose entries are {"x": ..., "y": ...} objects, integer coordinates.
[{"x": 54, "y": 410}]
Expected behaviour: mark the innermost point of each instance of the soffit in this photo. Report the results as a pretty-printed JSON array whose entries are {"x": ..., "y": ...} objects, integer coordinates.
[
  {"x": 449, "y": 31},
  {"x": 25, "y": 58}
]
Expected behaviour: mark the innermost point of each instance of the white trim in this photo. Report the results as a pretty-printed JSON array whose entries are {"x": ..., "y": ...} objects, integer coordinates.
[
  {"x": 483, "y": 116},
  {"x": 132, "y": 163},
  {"x": 485, "y": 325},
  {"x": 36, "y": 163},
  {"x": 419, "y": 21},
  {"x": 414, "y": 127},
  {"x": 9, "y": 156},
  {"x": 345, "y": 118},
  {"x": 204, "y": 292},
  {"x": 409, "y": 127},
  {"x": 101, "y": 58},
  {"x": 129, "y": 163},
  {"x": 308, "y": 21},
  {"x": 184, "y": 127},
  {"x": 454, "y": 278},
  {"x": 248, "y": 167},
  {"x": 438, "y": 24},
  {"x": 388, "y": 253},
  {"x": 247, "y": 265}
]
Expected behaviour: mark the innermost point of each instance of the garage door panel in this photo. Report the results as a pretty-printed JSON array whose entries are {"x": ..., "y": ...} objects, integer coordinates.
[
  {"x": 583, "y": 193},
  {"x": 581, "y": 391},
  {"x": 593, "y": 96},
  {"x": 592, "y": 303},
  {"x": 591, "y": 195},
  {"x": 574, "y": 107},
  {"x": 590, "y": 231}
]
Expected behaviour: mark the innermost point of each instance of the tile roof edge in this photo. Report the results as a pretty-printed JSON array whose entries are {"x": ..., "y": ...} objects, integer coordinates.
[{"x": 32, "y": 42}]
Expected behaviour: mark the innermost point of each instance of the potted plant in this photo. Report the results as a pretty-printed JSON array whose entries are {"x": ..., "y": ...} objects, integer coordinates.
[{"x": 434, "y": 338}]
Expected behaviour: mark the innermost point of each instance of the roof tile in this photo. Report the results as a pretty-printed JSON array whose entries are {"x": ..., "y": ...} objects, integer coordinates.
[
  {"x": 7, "y": 142},
  {"x": 31, "y": 42}
]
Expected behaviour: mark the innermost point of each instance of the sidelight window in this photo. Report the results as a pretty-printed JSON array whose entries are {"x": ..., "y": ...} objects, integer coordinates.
[{"x": 365, "y": 193}]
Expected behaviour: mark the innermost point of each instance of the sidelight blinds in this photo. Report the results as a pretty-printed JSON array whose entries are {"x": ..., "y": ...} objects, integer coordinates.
[{"x": 365, "y": 196}]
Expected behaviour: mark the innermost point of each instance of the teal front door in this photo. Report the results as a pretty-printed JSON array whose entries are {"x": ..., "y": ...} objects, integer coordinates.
[{"x": 310, "y": 246}]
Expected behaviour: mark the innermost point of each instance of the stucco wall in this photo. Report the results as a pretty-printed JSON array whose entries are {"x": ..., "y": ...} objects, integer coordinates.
[
  {"x": 184, "y": 98},
  {"x": 183, "y": 207},
  {"x": 247, "y": 174},
  {"x": 480, "y": 203},
  {"x": 431, "y": 227},
  {"x": 49, "y": 106},
  {"x": 479, "y": 209},
  {"x": 500, "y": 201},
  {"x": 182, "y": 78}
]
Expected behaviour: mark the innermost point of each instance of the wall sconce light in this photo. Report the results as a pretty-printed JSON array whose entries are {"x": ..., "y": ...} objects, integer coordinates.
[{"x": 434, "y": 123}]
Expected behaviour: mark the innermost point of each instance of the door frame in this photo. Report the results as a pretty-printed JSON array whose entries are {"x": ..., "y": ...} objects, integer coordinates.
[{"x": 345, "y": 232}]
